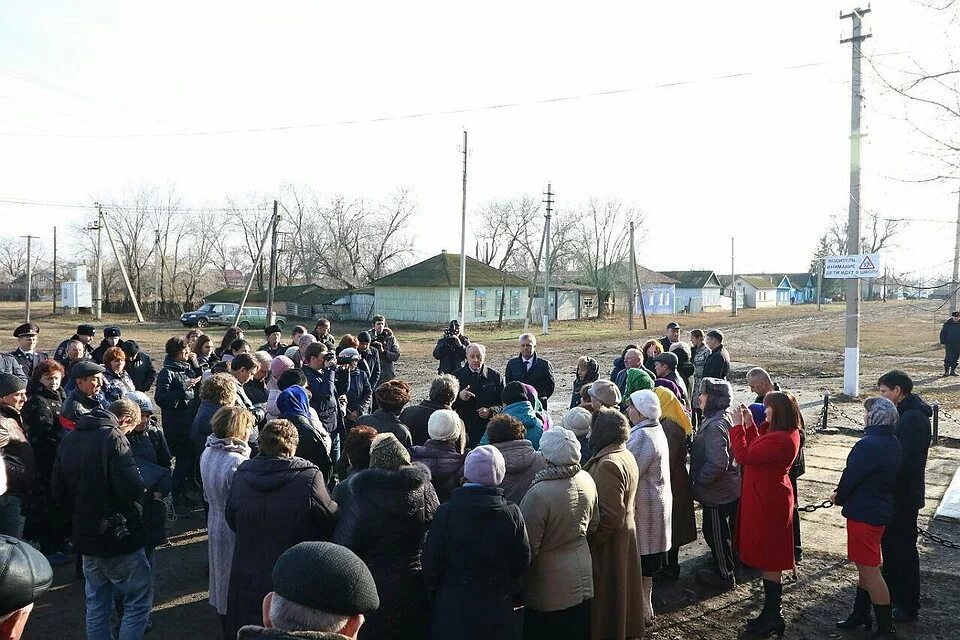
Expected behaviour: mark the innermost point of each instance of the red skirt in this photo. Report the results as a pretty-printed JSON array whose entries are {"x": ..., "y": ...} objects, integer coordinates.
[{"x": 863, "y": 543}]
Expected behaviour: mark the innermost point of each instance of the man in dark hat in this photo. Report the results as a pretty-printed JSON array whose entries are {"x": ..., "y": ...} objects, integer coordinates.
[
  {"x": 671, "y": 335},
  {"x": 665, "y": 366},
  {"x": 85, "y": 334},
  {"x": 950, "y": 339},
  {"x": 87, "y": 378},
  {"x": 26, "y": 576},
  {"x": 320, "y": 590},
  {"x": 274, "y": 347},
  {"x": 111, "y": 338},
  {"x": 370, "y": 357},
  {"x": 139, "y": 366},
  {"x": 451, "y": 349},
  {"x": 385, "y": 343},
  {"x": 26, "y": 353}
]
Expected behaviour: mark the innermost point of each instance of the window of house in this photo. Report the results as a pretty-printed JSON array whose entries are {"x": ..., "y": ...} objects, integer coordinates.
[
  {"x": 514, "y": 302},
  {"x": 497, "y": 302},
  {"x": 480, "y": 303}
]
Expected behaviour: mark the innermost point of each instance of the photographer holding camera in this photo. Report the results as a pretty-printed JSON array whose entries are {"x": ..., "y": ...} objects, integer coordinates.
[
  {"x": 95, "y": 477},
  {"x": 451, "y": 349}
]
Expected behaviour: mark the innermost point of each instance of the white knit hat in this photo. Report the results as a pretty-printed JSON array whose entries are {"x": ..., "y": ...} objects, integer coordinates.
[
  {"x": 560, "y": 446},
  {"x": 647, "y": 403},
  {"x": 444, "y": 424},
  {"x": 577, "y": 420}
]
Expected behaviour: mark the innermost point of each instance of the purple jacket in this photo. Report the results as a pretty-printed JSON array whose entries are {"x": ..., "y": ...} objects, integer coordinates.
[{"x": 444, "y": 462}]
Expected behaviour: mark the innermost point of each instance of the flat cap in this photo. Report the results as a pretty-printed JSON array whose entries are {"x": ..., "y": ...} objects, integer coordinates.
[
  {"x": 86, "y": 330},
  {"x": 673, "y": 325},
  {"x": 85, "y": 369},
  {"x": 364, "y": 336},
  {"x": 26, "y": 329},
  {"x": 26, "y": 574},
  {"x": 274, "y": 328},
  {"x": 131, "y": 348},
  {"x": 112, "y": 331},
  {"x": 327, "y": 577},
  {"x": 668, "y": 358}
]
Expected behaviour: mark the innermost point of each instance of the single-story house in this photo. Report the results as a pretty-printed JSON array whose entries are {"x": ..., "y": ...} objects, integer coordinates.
[
  {"x": 758, "y": 292},
  {"x": 696, "y": 290},
  {"x": 659, "y": 290},
  {"x": 804, "y": 287},
  {"x": 429, "y": 292},
  {"x": 567, "y": 302}
]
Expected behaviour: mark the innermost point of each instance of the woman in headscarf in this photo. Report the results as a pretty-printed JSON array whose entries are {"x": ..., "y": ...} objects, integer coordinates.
[
  {"x": 588, "y": 371},
  {"x": 676, "y": 426},
  {"x": 293, "y": 405},
  {"x": 617, "y": 582},
  {"x": 534, "y": 399},
  {"x": 278, "y": 366},
  {"x": 560, "y": 509},
  {"x": 637, "y": 380},
  {"x": 516, "y": 403}
]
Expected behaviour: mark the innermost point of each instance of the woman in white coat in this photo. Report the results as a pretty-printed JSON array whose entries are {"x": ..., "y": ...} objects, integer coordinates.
[
  {"x": 654, "y": 504},
  {"x": 226, "y": 450}
]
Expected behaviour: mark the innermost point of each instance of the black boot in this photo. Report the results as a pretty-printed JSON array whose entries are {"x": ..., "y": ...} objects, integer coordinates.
[
  {"x": 953, "y": 371},
  {"x": 771, "y": 620},
  {"x": 885, "y": 630},
  {"x": 861, "y": 613}
]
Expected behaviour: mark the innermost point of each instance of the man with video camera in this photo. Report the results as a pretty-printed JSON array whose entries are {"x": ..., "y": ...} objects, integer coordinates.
[
  {"x": 95, "y": 477},
  {"x": 451, "y": 349}
]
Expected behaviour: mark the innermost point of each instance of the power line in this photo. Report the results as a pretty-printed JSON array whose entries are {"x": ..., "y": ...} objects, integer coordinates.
[{"x": 81, "y": 205}]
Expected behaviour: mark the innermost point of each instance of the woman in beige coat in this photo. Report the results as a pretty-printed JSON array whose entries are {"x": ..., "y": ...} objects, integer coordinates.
[
  {"x": 560, "y": 509},
  {"x": 617, "y": 612}
]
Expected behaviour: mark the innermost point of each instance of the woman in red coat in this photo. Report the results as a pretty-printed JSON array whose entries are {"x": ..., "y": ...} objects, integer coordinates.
[{"x": 764, "y": 537}]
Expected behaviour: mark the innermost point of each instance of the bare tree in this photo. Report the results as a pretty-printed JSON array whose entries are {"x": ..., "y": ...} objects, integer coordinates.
[
  {"x": 504, "y": 224},
  {"x": 253, "y": 219},
  {"x": 13, "y": 257}
]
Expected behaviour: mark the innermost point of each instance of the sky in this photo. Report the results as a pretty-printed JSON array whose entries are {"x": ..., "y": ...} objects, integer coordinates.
[{"x": 100, "y": 97}]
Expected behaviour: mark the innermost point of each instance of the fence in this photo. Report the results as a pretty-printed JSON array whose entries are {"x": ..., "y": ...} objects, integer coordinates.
[{"x": 844, "y": 416}]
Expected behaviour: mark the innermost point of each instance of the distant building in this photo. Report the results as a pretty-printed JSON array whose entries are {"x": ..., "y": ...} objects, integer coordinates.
[
  {"x": 758, "y": 292},
  {"x": 696, "y": 290}
]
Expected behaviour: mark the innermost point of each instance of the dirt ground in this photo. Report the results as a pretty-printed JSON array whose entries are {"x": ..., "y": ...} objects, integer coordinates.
[{"x": 799, "y": 346}]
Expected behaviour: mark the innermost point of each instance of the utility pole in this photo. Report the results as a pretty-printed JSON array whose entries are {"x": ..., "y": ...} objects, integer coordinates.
[
  {"x": 884, "y": 284},
  {"x": 956, "y": 259},
  {"x": 546, "y": 266},
  {"x": 158, "y": 267},
  {"x": 272, "y": 275},
  {"x": 733, "y": 283},
  {"x": 99, "y": 301},
  {"x": 123, "y": 270},
  {"x": 463, "y": 240},
  {"x": 29, "y": 277},
  {"x": 851, "y": 352},
  {"x": 633, "y": 270},
  {"x": 820, "y": 283},
  {"x": 55, "y": 271}
]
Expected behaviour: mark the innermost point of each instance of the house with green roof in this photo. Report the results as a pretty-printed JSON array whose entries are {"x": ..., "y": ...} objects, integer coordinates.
[
  {"x": 696, "y": 290},
  {"x": 758, "y": 292},
  {"x": 429, "y": 292}
]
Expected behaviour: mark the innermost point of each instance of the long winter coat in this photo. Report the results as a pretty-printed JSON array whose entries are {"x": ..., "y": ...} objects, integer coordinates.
[
  {"x": 218, "y": 463},
  {"x": 684, "y": 523},
  {"x": 487, "y": 386},
  {"x": 560, "y": 509},
  {"x": 475, "y": 554},
  {"x": 613, "y": 546},
  {"x": 274, "y": 503},
  {"x": 445, "y": 462},
  {"x": 417, "y": 416},
  {"x": 522, "y": 463},
  {"x": 385, "y": 522},
  {"x": 386, "y": 345},
  {"x": 764, "y": 535},
  {"x": 178, "y": 402},
  {"x": 654, "y": 506},
  {"x": 866, "y": 486},
  {"x": 45, "y": 517}
]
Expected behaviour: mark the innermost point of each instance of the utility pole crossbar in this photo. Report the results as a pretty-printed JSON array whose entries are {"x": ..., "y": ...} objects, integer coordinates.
[{"x": 546, "y": 266}]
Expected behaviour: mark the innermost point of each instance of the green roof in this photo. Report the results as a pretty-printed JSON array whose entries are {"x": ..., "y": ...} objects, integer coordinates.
[
  {"x": 443, "y": 270},
  {"x": 694, "y": 279},
  {"x": 800, "y": 280},
  {"x": 757, "y": 282},
  {"x": 224, "y": 295}
]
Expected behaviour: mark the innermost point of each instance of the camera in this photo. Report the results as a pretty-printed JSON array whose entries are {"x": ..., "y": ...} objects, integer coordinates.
[
  {"x": 329, "y": 356},
  {"x": 116, "y": 525}
]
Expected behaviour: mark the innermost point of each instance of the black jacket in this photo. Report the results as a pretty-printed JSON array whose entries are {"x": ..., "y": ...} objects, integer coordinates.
[
  {"x": 97, "y": 355},
  {"x": 95, "y": 475},
  {"x": 385, "y": 522},
  {"x": 274, "y": 504},
  {"x": 256, "y": 391},
  {"x": 717, "y": 364},
  {"x": 77, "y": 405},
  {"x": 539, "y": 376},
  {"x": 278, "y": 350},
  {"x": 153, "y": 459},
  {"x": 451, "y": 351},
  {"x": 18, "y": 457},
  {"x": 371, "y": 358},
  {"x": 950, "y": 333},
  {"x": 386, "y": 345},
  {"x": 178, "y": 402},
  {"x": 60, "y": 355},
  {"x": 41, "y": 421},
  {"x": 386, "y": 422},
  {"x": 592, "y": 376},
  {"x": 416, "y": 417},
  {"x": 142, "y": 371},
  {"x": 487, "y": 386},
  {"x": 476, "y": 552},
  {"x": 323, "y": 395},
  {"x": 310, "y": 446},
  {"x": 913, "y": 432}
]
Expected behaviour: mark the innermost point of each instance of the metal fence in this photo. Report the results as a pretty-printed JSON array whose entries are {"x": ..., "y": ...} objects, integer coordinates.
[{"x": 840, "y": 415}]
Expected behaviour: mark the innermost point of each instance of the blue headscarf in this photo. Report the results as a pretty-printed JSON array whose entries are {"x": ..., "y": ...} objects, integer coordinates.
[
  {"x": 293, "y": 402},
  {"x": 759, "y": 412}
]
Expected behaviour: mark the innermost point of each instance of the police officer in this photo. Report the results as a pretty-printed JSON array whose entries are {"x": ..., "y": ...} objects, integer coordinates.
[
  {"x": 85, "y": 334},
  {"x": 26, "y": 353},
  {"x": 950, "y": 339},
  {"x": 111, "y": 338}
]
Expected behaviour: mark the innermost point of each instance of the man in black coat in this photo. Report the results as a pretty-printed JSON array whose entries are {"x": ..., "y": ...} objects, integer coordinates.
[
  {"x": 950, "y": 339},
  {"x": 26, "y": 353},
  {"x": 111, "y": 338},
  {"x": 139, "y": 366},
  {"x": 85, "y": 334},
  {"x": 451, "y": 349},
  {"x": 479, "y": 396},
  {"x": 717, "y": 364},
  {"x": 528, "y": 367},
  {"x": 371, "y": 357},
  {"x": 901, "y": 560},
  {"x": 95, "y": 477},
  {"x": 274, "y": 346},
  {"x": 443, "y": 391},
  {"x": 670, "y": 336}
]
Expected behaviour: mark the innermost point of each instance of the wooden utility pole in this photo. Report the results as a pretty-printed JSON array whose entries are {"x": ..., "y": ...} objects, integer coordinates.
[
  {"x": 851, "y": 352},
  {"x": 123, "y": 270},
  {"x": 158, "y": 268},
  {"x": 820, "y": 283},
  {"x": 28, "y": 291},
  {"x": 463, "y": 240},
  {"x": 55, "y": 283},
  {"x": 643, "y": 310},
  {"x": 546, "y": 266},
  {"x": 633, "y": 269},
  {"x": 956, "y": 260},
  {"x": 272, "y": 275},
  {"x": 733, "y": 283},
  {"x": 99, "y": 305}
]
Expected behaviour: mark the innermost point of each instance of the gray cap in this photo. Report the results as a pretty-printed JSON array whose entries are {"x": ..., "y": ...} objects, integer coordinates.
[{"x": 85, "y": 369}]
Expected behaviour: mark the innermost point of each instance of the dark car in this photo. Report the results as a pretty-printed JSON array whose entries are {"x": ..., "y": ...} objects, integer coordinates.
[{"x": 224, "y": 313}]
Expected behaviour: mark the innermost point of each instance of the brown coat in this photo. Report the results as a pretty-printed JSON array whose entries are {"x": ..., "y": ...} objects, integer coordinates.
[
  {"x": 684, "y": 522},
  {"x": 617, "y": 610}
]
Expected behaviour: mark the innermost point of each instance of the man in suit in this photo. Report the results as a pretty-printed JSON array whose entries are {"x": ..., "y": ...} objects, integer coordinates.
[
  {"x": 480, "y": 391},
  {"x": 26, "y": 353},
  {"x": 531, "y": 369}
]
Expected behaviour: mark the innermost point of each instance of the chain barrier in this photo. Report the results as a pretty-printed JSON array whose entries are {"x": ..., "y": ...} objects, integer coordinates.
[
  {"x": 810, "y": 508},
  {"x": 932, "y": 537}
]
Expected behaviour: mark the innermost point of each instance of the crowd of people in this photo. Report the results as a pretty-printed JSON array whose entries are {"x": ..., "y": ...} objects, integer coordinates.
[{"x": 336, "y": 506}]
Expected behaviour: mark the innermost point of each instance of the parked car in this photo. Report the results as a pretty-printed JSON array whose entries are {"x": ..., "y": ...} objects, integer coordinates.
[{"x": 224, "y": 314}]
